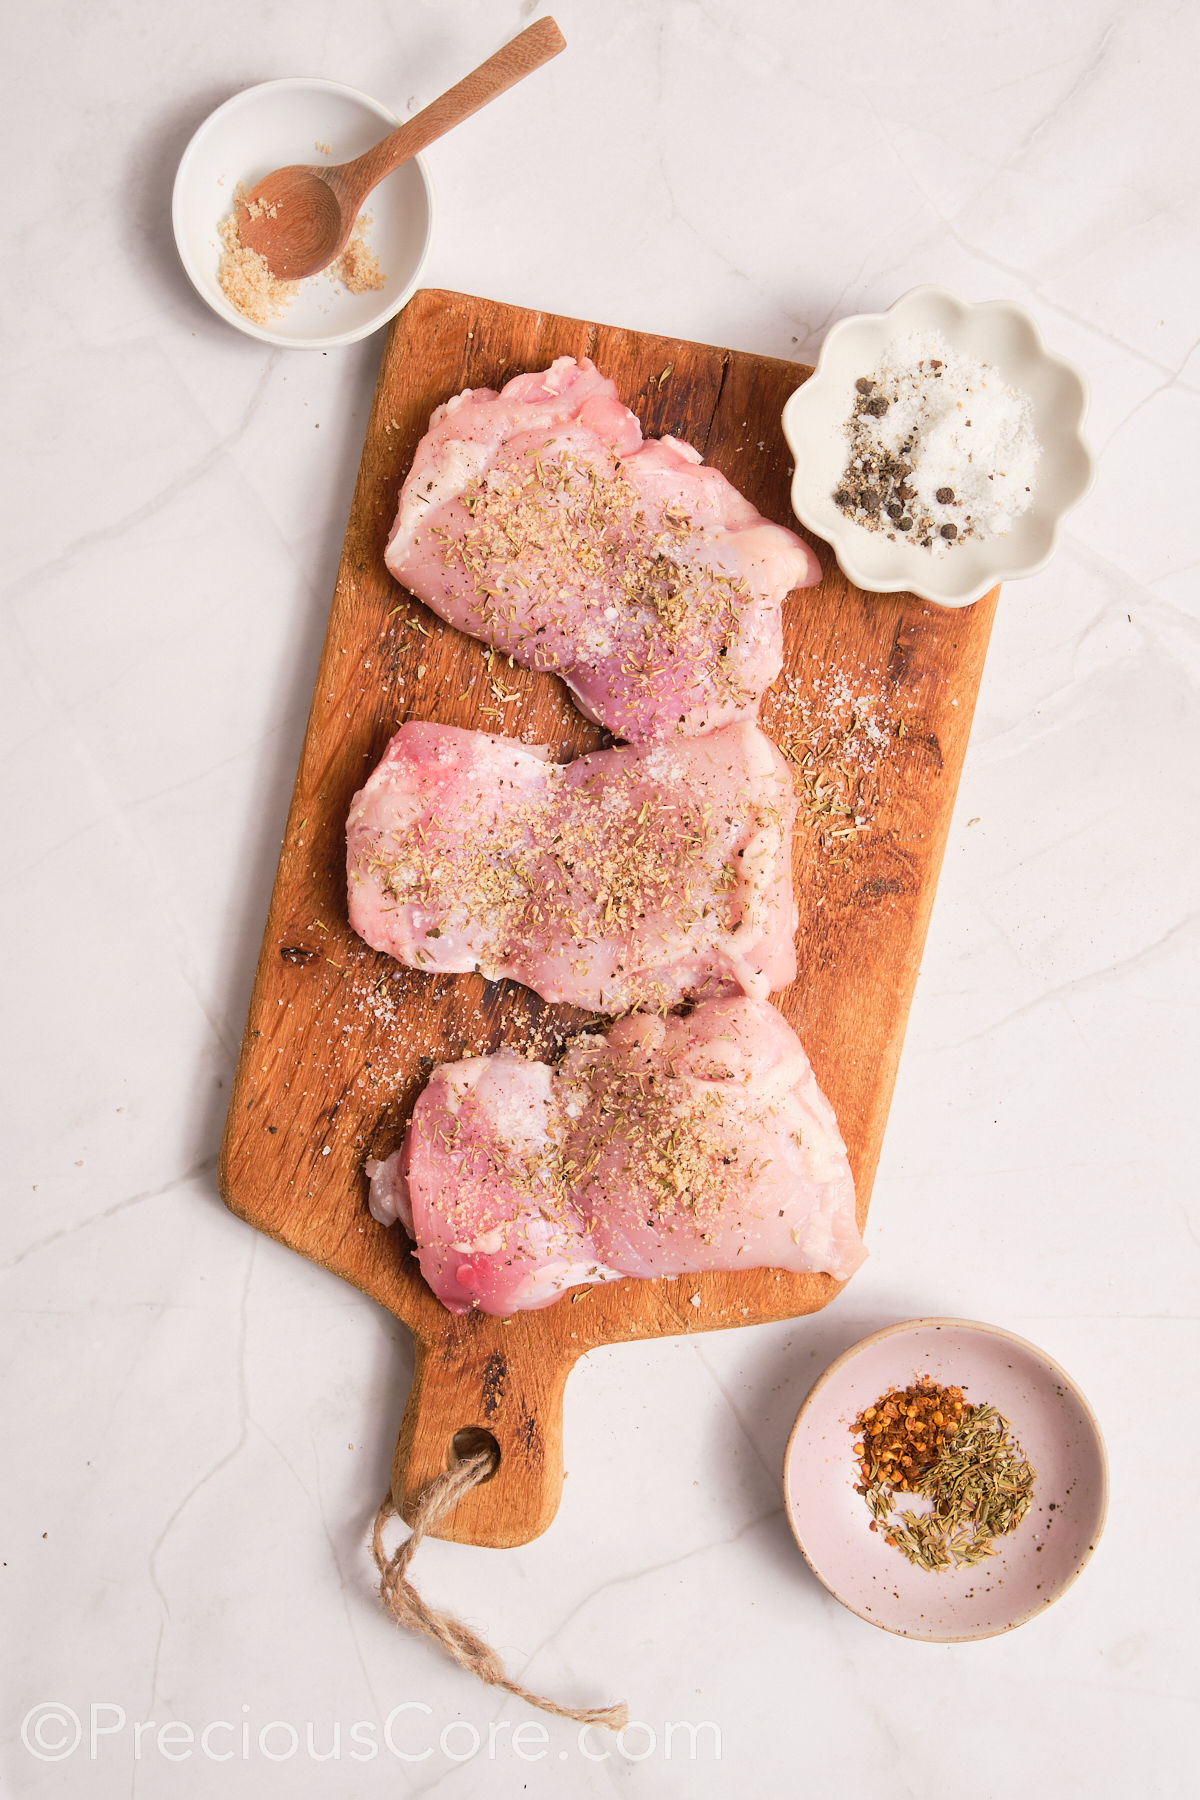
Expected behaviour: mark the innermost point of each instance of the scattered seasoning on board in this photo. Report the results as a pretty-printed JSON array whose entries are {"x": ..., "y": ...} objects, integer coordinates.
[
  {"x": 926, "y": 1441},
  {"x": 941, "y": 448},
  {"x": 838, "y": 728}
]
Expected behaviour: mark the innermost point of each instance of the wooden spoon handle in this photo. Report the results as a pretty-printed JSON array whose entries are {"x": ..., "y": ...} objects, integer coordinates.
[
  {"x": 525, "y": 53},
  {"x": 474, "y": 1379}
]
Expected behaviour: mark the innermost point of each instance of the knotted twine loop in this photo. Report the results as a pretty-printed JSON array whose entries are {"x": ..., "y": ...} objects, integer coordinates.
[{"x": 406, "y": 1606}]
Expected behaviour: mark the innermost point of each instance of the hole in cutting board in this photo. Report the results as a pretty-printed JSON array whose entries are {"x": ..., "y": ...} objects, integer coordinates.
[{"x": 469, "y": 1442}]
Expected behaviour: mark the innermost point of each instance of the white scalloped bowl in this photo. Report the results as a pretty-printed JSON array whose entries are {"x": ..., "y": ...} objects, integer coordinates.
[
  {"x": 264, "y": 128},
  {"x": 997, "y": 332}
]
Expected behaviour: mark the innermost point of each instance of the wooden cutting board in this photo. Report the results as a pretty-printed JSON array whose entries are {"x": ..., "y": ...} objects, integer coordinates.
[{"x": 874, "y": 707}]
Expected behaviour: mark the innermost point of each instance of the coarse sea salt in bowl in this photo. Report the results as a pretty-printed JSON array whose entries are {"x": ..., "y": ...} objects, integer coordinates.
[
  {"x": 317, "y": 122},
  {"x": 1017, "y": 477}
]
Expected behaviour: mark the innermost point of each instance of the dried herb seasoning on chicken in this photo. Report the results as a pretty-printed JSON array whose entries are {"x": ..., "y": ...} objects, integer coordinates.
[
  {"x": 664, "y": 1147},
  {"x": 627, "y": 878},
  {"x": 540, "y": 520}
]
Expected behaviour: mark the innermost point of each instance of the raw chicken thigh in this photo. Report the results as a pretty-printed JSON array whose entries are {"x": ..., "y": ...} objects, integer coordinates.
[
  {"x": 474, "y": 1185},
  {"x": 539, "y": 520},
  {"x": 668, "y": 1146},
  {"x": 628, "y": 878}
]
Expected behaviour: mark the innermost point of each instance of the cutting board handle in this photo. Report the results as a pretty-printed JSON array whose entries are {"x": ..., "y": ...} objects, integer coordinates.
[{"x": 484, "y": 1376}]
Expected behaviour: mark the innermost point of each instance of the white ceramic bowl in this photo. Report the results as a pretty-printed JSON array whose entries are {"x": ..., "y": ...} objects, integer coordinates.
[
  {"x": 280, "y": 122},
  {"x": 1032, "y": 1566},
  {"x": 998, "y": 332}
]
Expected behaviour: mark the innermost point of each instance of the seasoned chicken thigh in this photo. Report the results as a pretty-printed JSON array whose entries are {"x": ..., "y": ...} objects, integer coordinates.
[
  {"x": 705, "y": 1143},
  {"x": 628, "y": 878},
  {"x": 539, "y": 520},
  {"x": 665, "y": 1147}
]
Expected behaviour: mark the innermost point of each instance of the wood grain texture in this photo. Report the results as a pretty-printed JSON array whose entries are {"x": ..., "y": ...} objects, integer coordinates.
[{"x": 339, "y": 1040}]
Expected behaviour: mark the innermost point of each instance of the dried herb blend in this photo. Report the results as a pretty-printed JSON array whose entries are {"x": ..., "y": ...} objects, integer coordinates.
[{"x": 925, "y": 1440}]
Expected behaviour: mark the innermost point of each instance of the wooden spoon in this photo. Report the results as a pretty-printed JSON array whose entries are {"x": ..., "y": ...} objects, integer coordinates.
[{"x": 300, "y": 218}]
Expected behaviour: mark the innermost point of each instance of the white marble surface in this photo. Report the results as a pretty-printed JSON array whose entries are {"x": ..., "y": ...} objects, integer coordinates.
[{"x": 197, "y": 1423}]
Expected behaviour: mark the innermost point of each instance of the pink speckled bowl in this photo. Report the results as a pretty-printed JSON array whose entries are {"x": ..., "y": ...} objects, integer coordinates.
[{"x": 1033, "y": 1565}]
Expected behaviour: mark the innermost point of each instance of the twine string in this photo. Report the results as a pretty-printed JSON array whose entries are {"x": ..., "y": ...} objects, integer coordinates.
[{"x": 402, "y": 1601}]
